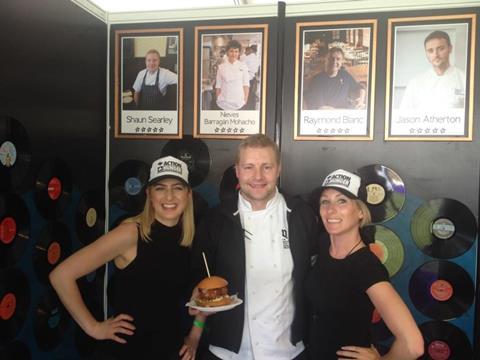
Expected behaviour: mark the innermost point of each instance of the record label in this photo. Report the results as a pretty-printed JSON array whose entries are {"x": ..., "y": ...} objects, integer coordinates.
[
  {"x": 133, "y": 186},
  {"x": 91, "y": 217},
  {"x": 126, "y": 183},
  {"x": 53, "y": 246},
  {"x": 380, "y": 250},
  {"x": 7, "y": 306},
  {"x": 8, "y": 154},
  {"x": 54, "y": 188},
  {"x": 388, "y": 248},
  {"x": 14, "y": 154},
  {"x": 443, "y": 228},
  {"x": 50, "y": 322},
  {"x": 53, "y": 318},
  {"x": 439, "y": 350},
  {"x": 14, "y": 229},
  {"x": 14, "y": 303},
  {"x": 53, "y": 253},
  {"x": 375, "y": 194},
  {"x": 445, "y": 341},
  {"x": 382, "y": 190},
  {"x": 8, "y": 230},
  {"x": 194, "y": 153},
  {"x": 441, "y": 290},
  {"x": 376, "y": 316}
]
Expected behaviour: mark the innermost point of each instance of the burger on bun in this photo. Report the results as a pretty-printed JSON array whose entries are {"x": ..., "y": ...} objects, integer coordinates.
[{"x": 212, "y": 292}]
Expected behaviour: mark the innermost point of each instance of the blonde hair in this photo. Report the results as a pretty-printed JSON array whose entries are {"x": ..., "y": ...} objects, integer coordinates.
[
  {"x": 258, "y": 141},
  {"x": 145, "y": 219},
  {"x": 153, "y": 51},
  {"x": 367, "y": 216}
]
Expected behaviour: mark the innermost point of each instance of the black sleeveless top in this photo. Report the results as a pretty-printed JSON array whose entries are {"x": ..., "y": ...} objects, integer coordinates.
[{"x": 152, "y": 289}]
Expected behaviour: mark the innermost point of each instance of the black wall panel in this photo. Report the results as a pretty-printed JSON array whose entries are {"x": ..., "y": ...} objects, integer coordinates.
[
  {"x": 53, "y": 76},
  {"x": 429, "y": 170}
]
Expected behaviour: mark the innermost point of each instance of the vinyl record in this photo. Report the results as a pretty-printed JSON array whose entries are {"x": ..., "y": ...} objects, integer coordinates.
[
  {"x": 229, "y": 184},
  {"x": 14, "y": 302},
  {"x": 14, "y": 229},
  {"x": 90, "y": 217},
  {"x": 441, "y": 290},
  {"x": 53, "y": 187},
  {"x": 388, "y": 247},
  {"x": 445, "y": 341},
  {"x": 50, "y": 321},
  {"x": 15, "y": 350},
  {"x": 126, "y": 185},
  {"x": 15, "y": 155},
  {"x": 194, "y": 152},
  {"x": 52, "y": 248},
  {"x": 383, "y": 191},
  {"x": 119, "y": 220},
  {"x": 200, "y": 207},
  {"x": 378, "y": 329},
  {"x": 443, "y": 228}
]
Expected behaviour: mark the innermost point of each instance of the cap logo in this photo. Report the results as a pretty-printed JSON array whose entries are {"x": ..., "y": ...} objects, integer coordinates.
[
  {"x": 169, "y": 166},
  {"x": 337, "y": 179}
]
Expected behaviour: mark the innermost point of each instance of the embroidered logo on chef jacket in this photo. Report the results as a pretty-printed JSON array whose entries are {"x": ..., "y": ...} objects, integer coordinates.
[{"x": 285, "y": 242}]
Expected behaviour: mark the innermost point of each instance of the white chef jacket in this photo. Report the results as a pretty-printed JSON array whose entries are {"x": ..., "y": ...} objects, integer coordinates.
[
  {"x": 432, "y": 91},
  {"x": 269, "y": 305},
  {"x": 231, "y": 78}
]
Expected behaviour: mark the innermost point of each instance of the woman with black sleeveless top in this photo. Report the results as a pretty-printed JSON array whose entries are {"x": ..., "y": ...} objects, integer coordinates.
[{"x": 151, "y": 254}]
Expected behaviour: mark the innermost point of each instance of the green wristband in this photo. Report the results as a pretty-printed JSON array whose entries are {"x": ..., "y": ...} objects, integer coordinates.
[{"x": 198, "y": 323}]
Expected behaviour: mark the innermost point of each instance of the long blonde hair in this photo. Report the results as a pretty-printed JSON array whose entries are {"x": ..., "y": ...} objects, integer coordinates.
[{"x": 145, "y": 219}]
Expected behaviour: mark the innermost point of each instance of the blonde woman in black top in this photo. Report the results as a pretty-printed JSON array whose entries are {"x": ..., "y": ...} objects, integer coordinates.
[
  {"x": 151, "y": 254},
  {"x": 347, "y": 282}
]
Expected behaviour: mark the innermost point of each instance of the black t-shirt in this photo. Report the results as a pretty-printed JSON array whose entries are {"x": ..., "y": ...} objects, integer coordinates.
[
  {"x": 332, "y": 91},
  {"x": 339, "y": 308}
]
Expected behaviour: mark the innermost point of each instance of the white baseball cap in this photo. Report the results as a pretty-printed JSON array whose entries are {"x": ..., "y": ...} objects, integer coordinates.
[
  {"x": 168, "y": 167},
  {"x": 344, "y": 181}
]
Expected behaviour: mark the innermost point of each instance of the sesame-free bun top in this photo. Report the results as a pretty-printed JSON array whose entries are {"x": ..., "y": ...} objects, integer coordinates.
[{"x": 212, "y": 282}]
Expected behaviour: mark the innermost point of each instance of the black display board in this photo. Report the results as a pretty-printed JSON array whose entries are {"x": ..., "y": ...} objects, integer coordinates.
[{"x": 53, "y": 72}]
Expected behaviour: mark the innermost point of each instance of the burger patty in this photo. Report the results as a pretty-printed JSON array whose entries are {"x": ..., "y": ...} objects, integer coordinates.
[{"x": 211, "y": 294}]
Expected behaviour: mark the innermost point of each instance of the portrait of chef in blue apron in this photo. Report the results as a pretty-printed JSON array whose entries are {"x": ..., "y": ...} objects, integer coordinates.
[{"x": 150, "y": 85}]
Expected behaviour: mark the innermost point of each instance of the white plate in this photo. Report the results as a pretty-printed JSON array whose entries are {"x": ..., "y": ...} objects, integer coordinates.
[{"x": 235, "y": 302}]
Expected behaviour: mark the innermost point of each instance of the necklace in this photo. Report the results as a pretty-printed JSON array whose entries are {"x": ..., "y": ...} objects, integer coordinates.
[{"x": 353, "y": 248}]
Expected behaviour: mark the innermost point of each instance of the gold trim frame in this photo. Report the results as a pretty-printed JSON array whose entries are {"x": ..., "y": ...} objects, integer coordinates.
[
  {"x": 425, "y": 123},
  {"x": 233, "y": 32},
  {"x": 349, "y": 35},
  {"x": 118, "y": 91}
]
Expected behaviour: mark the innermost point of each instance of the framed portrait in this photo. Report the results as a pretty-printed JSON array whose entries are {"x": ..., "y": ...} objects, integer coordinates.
[
  {"x": 230, "y": 81},
  {"x": 335, "y": 80},
  {"x": 148, "y": 83},
  {"x": 430, "y": 78}
]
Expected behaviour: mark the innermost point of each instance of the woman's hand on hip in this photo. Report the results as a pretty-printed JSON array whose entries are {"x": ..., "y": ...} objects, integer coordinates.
[{"x": 110, "y": 328}]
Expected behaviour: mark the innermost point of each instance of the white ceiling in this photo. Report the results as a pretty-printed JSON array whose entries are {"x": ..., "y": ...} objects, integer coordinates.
[{"x": 155, "y": 5}]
